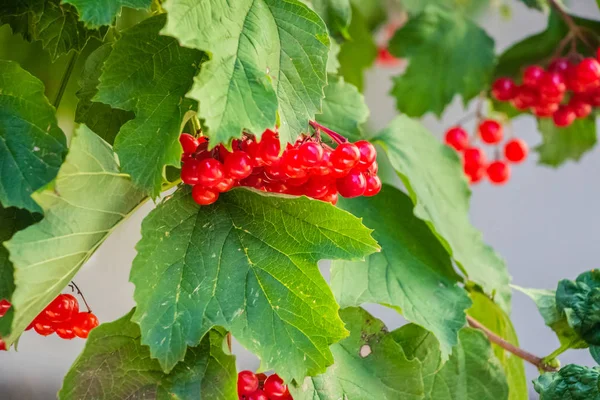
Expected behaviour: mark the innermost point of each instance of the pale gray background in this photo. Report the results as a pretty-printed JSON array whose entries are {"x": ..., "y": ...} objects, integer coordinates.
[{"x": 545, "y": 223}]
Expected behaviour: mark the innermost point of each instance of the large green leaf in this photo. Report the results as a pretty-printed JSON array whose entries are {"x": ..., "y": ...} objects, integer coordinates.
[
  {"x": 56, "y": 25},
  {"x": 414, "y": 7},
  {"x": 374, "y": 12},
  {"x": 537, "y": 4},
  {"x": 149, "y": 74},
  {"x": 32, "y": 146},
  {"x": 434, "y": 178},
  {"x": 491, "y": 316},
  {"x": 472, "y": 372},
  {"x": 545, "y": 300},
  {"x": 269, "y": 60},
  {"x": 247, "y": 263},
  {"x": 337, "y": 14},
  {"x": 344, "y": 108},
  {"x": 89, "y": 198},
  {"x": 369, "y": 364},
  {"x": 572, "y": 382},
  {"x": 95, "y": 13},
  {"x": 413, "y": 272},
  {"x": 115, "y": 365},
  {"x": 101, "y": 118},
  {"x": 579, "y": 300},
  {"x": 562, "y": 144},
  {"x": 448, "y": 55}
]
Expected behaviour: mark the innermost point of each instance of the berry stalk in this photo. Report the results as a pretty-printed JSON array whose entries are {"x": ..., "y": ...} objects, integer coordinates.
[{"x": 336, "y": 137}]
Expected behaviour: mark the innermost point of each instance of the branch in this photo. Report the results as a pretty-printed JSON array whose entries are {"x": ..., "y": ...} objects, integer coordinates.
[
  {"x": 525, "y": 355},
  {"x": 333, "y": 135},
  {"x": 573, "y": 27},
  {"x": 65, "y": 80}
]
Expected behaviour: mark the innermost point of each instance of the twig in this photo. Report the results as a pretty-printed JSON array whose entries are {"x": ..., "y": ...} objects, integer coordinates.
[
  {"x": 75, "y": 287},
  {"x": 573, "y": 27},
  {"x": 228, "y": 338},
  {"x": 65, "y": 80},
  {"x": 517, "y": 351},
  {"x": 334, "y": 135}
]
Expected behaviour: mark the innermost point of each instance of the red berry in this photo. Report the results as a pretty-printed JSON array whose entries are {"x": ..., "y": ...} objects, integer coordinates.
[
  {"x": 352, "y": 185},
  {"x": 254, "y": 181},
  {"x": 189, "y": 143},
  {"x": 516, "y": 150},
  {"x": 545, "y": 110},
  {"x": 560, "y": 65},
  {"x": 190, "y": 172},
  {"x": 225, "y": 185},
  {"x": 83, "y": 323},
  {"x": 64, "y": 330},
  {"x": 374, "y": 168},
  {"x": 490, "y": 131},
  {"x": 525, "y": 97},
  {"x": 504, "y": 89},
  {"x": 588, "y": 71},
  {"x": 2, "y": 345},
  {"x": 474, "y": 156},
  {"x": 258, "y": 395},
  {"x": 330, "y": 197},
  {"x": 564, "y": 116},
  {"x": 317, "y": 187},
  {"x": 533, "y": 75},
  {"x": 368, "y": 154},
  {"x": 247, "y": 383},
  {"x": 373, "y": 185},
  {"x": 581, "y": 108},
  {"x": 345, "y": 156},
  {"x": 238, "y": 165},
  {"x": 262, "y": 377},
  {"x": 62, "y": 308},
  {"x": 498, "y": 172},
  {"x": 457, "y": 138},
  {"x": 275, "y": 389},
  {"x": 310, "y": 154},
  {"x": 474, "y": 173},
  {"x": 269, "y": 147},
  {"x": 324, "y": 167},
  {"x": 4, "y": 306},
  {"x": 552, "y": 85},
  {"x": 204, "y": 196},
  {"x": 43, "y": 327},
  {"x": 210, "y": 172},
  {"x": 385, "y": 58}
]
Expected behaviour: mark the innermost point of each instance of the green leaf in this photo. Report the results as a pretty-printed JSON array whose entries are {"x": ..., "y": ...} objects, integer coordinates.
[
  {"x": 413, "y": 272},
  {"x": 472, "y": 372},
  {"x": 572, "y": 382},
  {"x": 562, "y": 144},
  {"x": 373, "y": 12},
  {"x": 434, "y": 178},
  {"x": 337, "y": 14},
  {"x": 269, "y": 61},
  {"x": 95, "y": 13},
  {"x": 101, "y": 118},
  {"x": 595, "y": 353},
  {"x": 541, "y": 5},
  {"x": 32, "y": 146},
  {"x": 247, "y": 263},
  {"x": 333, "y": 64},
  {"x": 149, "y": 74},
  {"x": 344, "y": 109},
  {"x": 56, "y": 25},
  {"x": 359, "y": 52},
  {"x": 88, "y": 200},
  {"x": 11, "y": 220},
  {"x": 415, "y": 7},
  {"x": 545, "y": 300},
  {"x": 115, "y": 365},
  {"x": 491, "y": 316},
  {"x": 369, "y": 364},
  {"x": 448, "y": 55},
  {"x": 579, "y": 300}
]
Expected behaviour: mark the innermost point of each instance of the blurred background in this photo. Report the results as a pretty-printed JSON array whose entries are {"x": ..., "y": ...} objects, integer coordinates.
[{"x": 544, "y": 222}]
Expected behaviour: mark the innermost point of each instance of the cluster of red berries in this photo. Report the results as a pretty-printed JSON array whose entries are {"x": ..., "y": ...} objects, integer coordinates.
[
  {"x": 309, "y": 167},
  {"x": 253, "y": 386},
  {"x": 62, "y": 317},
  {"x": 475, "y": 162},
  {"x": 564, "y": 91}
]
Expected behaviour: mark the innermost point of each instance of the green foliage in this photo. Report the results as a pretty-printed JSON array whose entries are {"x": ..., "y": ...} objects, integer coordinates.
[
  {"x": 373, "y": 12},
  {"x": 471, "y": 373},
  {"x": 89, "y": 198},
  {"x": 32, "y": 146},
  {"x": 536, "y": 4},
  {"x": 413, "y": 266},
  {"x": 95, "y": 13},
  {"x": 562, "y": 144},
  {"x": 115, "y": 365},
  {"x": 247, "y": 263},
  {"x": 337, "y": 14},
  {"x": 149, "y": 74},
  {"x": 433, "y": 176},
  {"x": 449, "y": 55},
  {"x": 415, "y": 7},
  {"x": 369, "y": 364},
  {"x": 572, "y": 382},
  {"x": 268, "y": 64}
]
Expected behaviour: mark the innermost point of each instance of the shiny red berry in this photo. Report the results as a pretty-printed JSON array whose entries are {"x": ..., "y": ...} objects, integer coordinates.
[
  {"x": 560, "y": 65},
  {"x": 225, "y": 185},
  {"x": 331, "y": 197},
  {"x": 275, "y": 389},
  {"x": 310, "y": 154},
  {"x": 533, "y": 75},
  {"x": 4, "y": 306},
  {"x": 210, "y": 172},
  {"x": 516, "y": 150},
  {"x": 385, "y": 58},
  {"x": 204, "y": 196},
  {"x": 552, "y": 85},
  {"x": 373, "y": 186},
  {"x": 368, "y": 154},
  {"x": 43, "y": 327},
  {"x": 62, "y": 308},
  {"x": 238, "y": 165},
  {"x": 247, "y": 383},
  {"x": 581, "y": 108},
  {"x": 352, "y": 185},
  {"x": 564, "y": 116},
  {"x": 545, "y": 109},
  {"x": 588, "y": 71},
  {"x": 474, "y": 156},
  {"x": 345, "y": 157},
  {"x": 188, "y": 143},
  {"x": 317, "y": 187},
  {"x": 474, "y": 173},
  {"x": 490, "y": 131},
  {"x": 258, "y": 395},
  {"x": 504, "y": 89},
  {"x": 64, "y": 330},
  {"x": 83, "y": 323},
  {"x": 269, "y": 147},
  {"x": 2, "y": 345},
  {"x": 498, "y": 172},
  {"x": 525, "y": 97},
  {"x": 190, "y": 172},
  {"x": 457, "y": 138}
]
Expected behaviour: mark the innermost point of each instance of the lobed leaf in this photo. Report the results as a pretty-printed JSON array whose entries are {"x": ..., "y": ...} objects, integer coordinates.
[
  {"x": 95, "y": 13},
  {"x": 89, "y": 198},
  {"x": 336, "y": 14},
  {"x": 562, "y": 144},
  {"x": 572, "y": 382}
]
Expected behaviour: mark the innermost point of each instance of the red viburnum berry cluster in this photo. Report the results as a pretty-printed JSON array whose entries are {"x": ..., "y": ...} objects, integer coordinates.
[
  {"x": 564, "y": 91},
  {"x": 309, "y": 167},
  {"x": 61, "y": 316},
  {"x": 475, "y": 162},
  {"x": 253, "y": 386}
]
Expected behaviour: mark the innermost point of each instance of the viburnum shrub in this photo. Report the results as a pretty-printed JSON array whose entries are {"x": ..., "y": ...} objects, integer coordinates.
[{"x": 243, "y": 123}]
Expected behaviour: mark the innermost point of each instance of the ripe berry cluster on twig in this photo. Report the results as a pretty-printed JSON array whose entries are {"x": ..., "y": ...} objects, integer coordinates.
[
  {"x": 309, "y": 167},
  {"x": 261, "y": 387}
]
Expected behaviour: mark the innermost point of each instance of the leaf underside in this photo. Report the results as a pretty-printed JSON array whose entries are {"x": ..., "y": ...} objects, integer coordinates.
[{"x": 95, "y": 13}]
